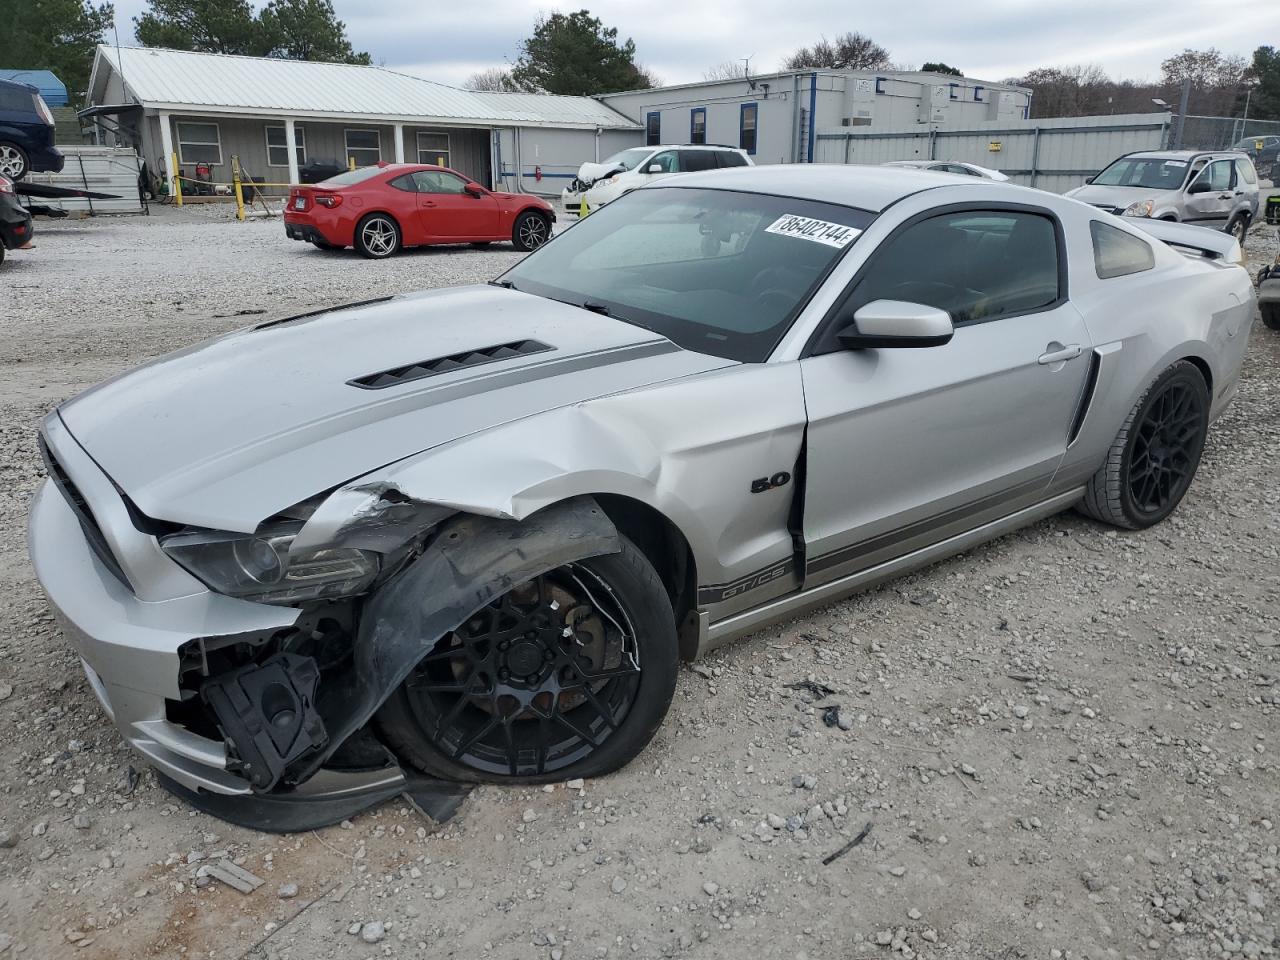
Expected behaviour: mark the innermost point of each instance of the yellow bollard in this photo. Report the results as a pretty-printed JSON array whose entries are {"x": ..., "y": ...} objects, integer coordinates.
[
  {"x": 351, "y": 163},
  {"x": 177, "y": 180},
  {"x": 235, "y": 181},
  {"x": 583, "y": 209}
]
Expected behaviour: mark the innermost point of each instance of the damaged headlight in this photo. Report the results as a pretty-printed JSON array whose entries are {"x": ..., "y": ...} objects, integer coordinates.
[
  {"x": 260, "y": 567},
  {"x": 1139, "y": 208}
]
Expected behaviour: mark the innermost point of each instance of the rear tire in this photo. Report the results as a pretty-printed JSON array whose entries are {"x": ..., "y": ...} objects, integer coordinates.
[
  {"x": 531, "y": 230},
  {"x": 1154, "y": 457},
  {"x": 521, "y": 684},
  {"x": 1239, "y": 227},
  {"x": 377, "y": 236},
  {"x": 1271, "y": 315},
  {"x": 14, "y": 162}
]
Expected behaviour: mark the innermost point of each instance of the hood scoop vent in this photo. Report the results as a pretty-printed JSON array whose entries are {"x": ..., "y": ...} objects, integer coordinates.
[{"x": 442, "y": 365}]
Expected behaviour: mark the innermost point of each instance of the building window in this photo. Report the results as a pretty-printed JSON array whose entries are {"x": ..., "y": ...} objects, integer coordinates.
[
  {"x": 364, "y": 147},
  {"x": 652, "y": 129},
  {"x": 278, "y": 148},
  {"x": 747, "y": 127},
  {"x": 433, "y": 148},
  {"x": 977, "y": 94},
  {"x": 955, "y": 91},
  {"x": 698, "y": 125},
  {"x": 199, "y": 143},
  {"x": 880, "y": 84}
]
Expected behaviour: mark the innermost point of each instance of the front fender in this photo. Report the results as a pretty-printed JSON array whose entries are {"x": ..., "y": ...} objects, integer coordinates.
[{"x": 469, "y": 562}]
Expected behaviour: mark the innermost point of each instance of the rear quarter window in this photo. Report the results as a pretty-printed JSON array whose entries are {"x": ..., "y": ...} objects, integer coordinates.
[
  {"x": 16, "y": 100},
  {"x": 1247, "y": 173},
  {"x": 730, "y": 159},
  {"x": 1117, "y": 253}
]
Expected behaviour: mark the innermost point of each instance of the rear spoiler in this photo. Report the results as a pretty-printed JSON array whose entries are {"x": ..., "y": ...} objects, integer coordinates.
[{"x": 1193, "y": 241}]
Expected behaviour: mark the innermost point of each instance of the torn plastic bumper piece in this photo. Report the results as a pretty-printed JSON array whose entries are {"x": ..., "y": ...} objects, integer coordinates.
[
  {"x": 330, "y": 797},
  {"x": 470, "y": 562},
  {"x": 267, "y": 716}
]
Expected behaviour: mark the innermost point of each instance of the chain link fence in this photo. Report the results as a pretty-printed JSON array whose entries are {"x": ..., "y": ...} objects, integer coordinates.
[{"x": 1255, "y": 137}]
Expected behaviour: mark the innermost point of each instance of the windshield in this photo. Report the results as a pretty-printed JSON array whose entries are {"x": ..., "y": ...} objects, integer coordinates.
[
  {"x": 628, "y": 159},
  {"x": 1152, "y": 173},
  {"x": 715, "y": 271},
  {"x": 351, "y": 176}
]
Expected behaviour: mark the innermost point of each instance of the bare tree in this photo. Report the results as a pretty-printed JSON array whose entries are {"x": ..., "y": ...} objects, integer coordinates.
[
  {"x": 729, "y": 70},
  {"x": 493, "y": 80},
  {"x": 1216, "y": 80},
  {"x": 849, "y": 51}
]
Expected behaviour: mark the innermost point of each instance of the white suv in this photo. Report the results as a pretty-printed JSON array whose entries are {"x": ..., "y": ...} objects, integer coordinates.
[{"x": 609, "y": 179}]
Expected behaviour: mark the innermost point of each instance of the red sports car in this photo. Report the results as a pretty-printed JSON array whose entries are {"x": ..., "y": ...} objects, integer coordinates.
[{"x": 382, "y": 208}]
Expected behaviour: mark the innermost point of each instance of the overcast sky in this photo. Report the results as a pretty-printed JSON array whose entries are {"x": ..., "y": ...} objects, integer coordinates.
[{"x": 989, "y": 39}]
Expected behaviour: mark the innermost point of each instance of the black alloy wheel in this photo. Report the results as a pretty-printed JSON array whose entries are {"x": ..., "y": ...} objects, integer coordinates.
[
  {"x": 1154, "y": 457},
  {"x": 1167, "y": 442},
  {"x": 568, "y": 674}
]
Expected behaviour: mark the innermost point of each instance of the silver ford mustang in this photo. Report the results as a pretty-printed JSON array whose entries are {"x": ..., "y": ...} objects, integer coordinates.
[{"x": 467, "y": 534}]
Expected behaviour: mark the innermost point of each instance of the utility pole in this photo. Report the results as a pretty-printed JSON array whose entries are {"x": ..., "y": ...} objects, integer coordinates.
[{"x": 1182, "y": 112}]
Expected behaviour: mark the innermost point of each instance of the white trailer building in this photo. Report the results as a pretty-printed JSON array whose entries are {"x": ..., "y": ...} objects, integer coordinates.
[
  {"x": 776, "y": 117},
  {"x": 278, "y": 115}
]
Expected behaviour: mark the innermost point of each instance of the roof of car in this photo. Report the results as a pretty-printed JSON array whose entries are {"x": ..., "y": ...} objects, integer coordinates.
[
  {"x": 692, "y": 146},
  {"x": 1178, "y": 154},
  {"x": 871, "y": 188}
]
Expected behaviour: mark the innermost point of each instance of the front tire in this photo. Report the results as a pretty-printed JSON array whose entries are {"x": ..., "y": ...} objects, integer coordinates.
[
  {"x": 1239, "y": 227},
  {"x": 1155, "y": 455},
  {"x": 509, "y": 698},
  {"x": 377, "y": 237},
  {"x": 530, "y": 231},
  {"x": 13, "y": 161}
]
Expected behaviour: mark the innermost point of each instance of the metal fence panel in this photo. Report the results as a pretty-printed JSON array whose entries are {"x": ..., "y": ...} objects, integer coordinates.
[
  {"x": 1052, "y": 154},
  {"x": 112, "y": 170}
]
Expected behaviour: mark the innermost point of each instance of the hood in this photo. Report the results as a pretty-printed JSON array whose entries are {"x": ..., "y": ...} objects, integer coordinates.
[
  {"x": 1118, "y": 197},
  {"x": 232, "y": 431},
  {"x": 589, "y": 172}
]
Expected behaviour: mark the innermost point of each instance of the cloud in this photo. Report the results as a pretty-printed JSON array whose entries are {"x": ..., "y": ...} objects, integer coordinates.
[{"x": 990, "y": 40}]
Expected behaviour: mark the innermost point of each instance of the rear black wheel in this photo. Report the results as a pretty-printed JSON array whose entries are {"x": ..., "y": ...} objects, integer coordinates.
[
  {"x": 1155, "y": 455},
  {"x": 566, "y": 675},
  {"x": 531, "y": 230}
]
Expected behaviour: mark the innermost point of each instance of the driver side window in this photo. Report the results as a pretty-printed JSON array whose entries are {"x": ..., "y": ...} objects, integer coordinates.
[
  {"x": 977, "y": 265},
  {"x": 438, "y": 181},
  {"x": 668, "y": 161}
]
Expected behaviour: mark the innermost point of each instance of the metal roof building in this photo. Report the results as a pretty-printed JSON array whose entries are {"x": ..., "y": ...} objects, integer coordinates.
[
  {"x": 278, "y": 115},
  {"x": 46, "y": 81}
]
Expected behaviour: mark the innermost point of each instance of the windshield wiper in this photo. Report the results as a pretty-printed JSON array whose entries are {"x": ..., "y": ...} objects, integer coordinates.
[
  {"x": 505, "y": 284},
  {"x": 595, "y": 307}
]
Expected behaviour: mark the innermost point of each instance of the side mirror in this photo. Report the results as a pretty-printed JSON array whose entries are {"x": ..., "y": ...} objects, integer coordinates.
[
  {"x": 654, "y": 168},
  {"x": 1090, "y": 179},
  {"x": 896, "y": 323},
  {"x": 1200, "y": 186},
  {"x": 474, "y": 189}
]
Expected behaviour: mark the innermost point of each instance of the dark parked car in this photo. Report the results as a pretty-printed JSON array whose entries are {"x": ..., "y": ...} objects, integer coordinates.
[
  {"x": 1264, "y": 151},
  {"x": 26, "y": 132},
  {"x": 15, "y": 221}
]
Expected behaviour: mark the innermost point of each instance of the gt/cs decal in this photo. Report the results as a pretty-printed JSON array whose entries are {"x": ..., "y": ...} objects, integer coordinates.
[{"x": 779, "y": 479}]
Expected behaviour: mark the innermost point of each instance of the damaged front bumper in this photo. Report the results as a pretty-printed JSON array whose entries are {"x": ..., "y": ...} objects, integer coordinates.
[{"x": 255, "y": 741}]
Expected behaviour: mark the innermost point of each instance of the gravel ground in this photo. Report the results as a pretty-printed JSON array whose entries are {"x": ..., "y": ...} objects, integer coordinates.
[{"x": 1063, "y": 743}]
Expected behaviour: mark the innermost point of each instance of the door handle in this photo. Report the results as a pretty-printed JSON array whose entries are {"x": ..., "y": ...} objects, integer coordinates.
[
  {"x": 1224, "y": 196},
  {"x": 1060, "y": 355},
  {"x": 427, "y": 203}
]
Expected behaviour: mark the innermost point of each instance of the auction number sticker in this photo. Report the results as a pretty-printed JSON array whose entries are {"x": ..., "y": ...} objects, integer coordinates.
[{"x": 819, "y": 231}]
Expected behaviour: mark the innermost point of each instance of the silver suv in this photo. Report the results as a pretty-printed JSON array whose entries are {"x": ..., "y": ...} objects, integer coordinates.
[{"x": 1208, "y": 189}]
